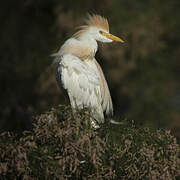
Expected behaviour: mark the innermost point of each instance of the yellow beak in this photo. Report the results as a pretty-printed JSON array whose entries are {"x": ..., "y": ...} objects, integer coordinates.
[{"x": 112, "y": 37}]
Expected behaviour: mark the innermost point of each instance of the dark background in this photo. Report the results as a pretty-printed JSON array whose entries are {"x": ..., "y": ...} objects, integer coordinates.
[{"x": 143, "y": 73}]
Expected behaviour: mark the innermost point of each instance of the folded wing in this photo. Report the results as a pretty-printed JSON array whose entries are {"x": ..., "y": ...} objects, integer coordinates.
[
  {"x": 82, "y": 84},
  {"x": 106, "y": 97}
]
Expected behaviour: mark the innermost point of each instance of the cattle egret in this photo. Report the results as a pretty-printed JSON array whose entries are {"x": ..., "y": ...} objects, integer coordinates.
[{"x": 80, "y": 74}]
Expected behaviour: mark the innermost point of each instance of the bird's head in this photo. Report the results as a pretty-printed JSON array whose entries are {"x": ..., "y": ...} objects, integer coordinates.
[{"x": 96, "y": 28}]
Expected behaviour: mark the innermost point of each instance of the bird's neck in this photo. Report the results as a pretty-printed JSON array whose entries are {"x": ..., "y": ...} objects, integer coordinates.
[
  {"x": 87, "y": 40},
  {"x": 84, "y": 47}
]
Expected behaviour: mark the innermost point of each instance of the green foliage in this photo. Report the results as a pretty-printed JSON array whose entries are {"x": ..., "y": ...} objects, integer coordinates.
[{"x": 62, "y": 145}]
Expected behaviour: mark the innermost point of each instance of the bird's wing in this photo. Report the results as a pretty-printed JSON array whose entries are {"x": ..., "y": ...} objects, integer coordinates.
[
  {"x": 81, "y": 83},
  {"x": 106, "y": 97}
]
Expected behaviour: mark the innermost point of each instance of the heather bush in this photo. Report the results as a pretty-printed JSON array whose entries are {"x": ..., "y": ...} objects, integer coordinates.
[{"x": 62, "y": 145}]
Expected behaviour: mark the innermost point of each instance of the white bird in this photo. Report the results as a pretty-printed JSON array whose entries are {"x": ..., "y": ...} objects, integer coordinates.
[{"x": 80, "y": 74}]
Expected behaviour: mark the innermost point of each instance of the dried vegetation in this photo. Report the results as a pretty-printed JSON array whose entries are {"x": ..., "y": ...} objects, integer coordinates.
[{"x": 62, "y": 145}]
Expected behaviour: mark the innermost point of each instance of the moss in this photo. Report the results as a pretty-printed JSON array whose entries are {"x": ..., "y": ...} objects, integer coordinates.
[{"x": 62, "y": 145}]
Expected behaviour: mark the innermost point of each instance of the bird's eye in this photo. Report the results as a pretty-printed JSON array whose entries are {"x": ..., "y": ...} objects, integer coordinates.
[{"x": 101, "y": 32}]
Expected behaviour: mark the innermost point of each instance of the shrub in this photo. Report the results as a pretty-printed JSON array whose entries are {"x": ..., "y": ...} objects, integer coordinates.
[{"x": 62, "y": 145}]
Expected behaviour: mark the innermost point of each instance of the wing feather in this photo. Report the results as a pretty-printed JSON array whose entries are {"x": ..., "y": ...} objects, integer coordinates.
[
  {"x": 106, "y": 97},
  {"x": 81, "y": 83}
]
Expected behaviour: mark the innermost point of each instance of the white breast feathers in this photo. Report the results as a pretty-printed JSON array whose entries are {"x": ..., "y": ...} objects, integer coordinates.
[{"x": 82, "y": 84}]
